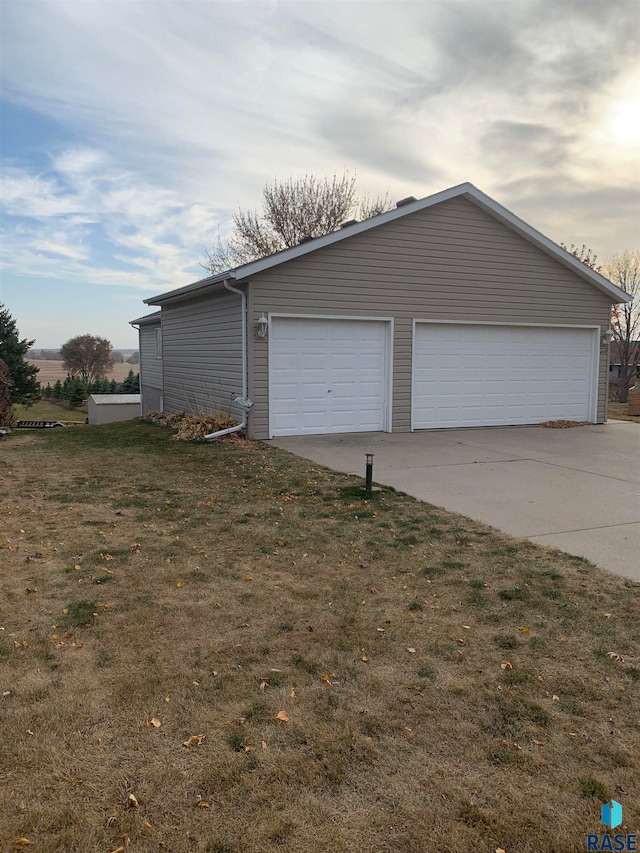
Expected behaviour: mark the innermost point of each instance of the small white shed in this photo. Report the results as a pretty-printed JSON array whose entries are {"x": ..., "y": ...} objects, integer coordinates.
[{"x": 109, "y": 408}]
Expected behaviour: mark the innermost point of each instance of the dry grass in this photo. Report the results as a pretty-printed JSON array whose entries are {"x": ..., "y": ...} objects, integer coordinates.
[
  {"x": 620, "y": 412},
  {"x": 51, "y": 371},
  {"x": 447, "y": 688}
]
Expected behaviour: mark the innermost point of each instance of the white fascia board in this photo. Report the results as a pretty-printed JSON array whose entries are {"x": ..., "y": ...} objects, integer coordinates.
[
  {"x": 301, "y": 249},
  {"x": 544, "y": 243},
  {"x": 466, "y": 190},
  {"x": 190, "y": 289},
  {"x": 473, "y": 194},
  {"x": 148, "y": 319}
]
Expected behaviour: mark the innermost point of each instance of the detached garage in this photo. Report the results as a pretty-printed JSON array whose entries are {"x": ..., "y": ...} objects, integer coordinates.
[{"x": 448, "y": 311}]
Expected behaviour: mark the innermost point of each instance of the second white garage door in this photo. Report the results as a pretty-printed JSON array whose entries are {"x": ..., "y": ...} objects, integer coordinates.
[
  {"x": 327, "y": 376},
  {"x": 477, "y": 375}
]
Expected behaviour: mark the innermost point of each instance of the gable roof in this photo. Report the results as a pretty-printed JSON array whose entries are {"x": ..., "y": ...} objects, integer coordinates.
[{"x": 466, "y": 190}]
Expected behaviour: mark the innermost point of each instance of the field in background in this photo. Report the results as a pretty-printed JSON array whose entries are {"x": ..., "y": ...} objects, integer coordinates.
[
  {"x": 222, "y": 648},
  {"x": 51, "y": 371}
]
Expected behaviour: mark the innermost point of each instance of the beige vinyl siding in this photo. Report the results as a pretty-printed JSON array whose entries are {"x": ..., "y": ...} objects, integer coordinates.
[
  {"x": 150, "y": 368},
  {"x": 202, "y": 352},
  {"x": 452, "y": 261},
  {"x": 150, "y": 364},
  {"x": 151, "y": 399}
]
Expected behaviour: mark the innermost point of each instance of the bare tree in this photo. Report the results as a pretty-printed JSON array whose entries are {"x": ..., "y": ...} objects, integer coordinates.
[
  {"x": 624, "y": 271},
  {"x": 584, "y": 254},
  {"x": 87, "y": 356},
  {"x": 292, "y": 210}
]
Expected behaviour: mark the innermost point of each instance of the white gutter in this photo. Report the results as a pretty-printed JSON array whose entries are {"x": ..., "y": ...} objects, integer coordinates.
[{"x": 242, "y": 425}]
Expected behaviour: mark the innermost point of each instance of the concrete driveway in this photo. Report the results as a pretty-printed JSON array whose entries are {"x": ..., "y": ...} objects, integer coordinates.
[{"x": 573, "y": 489}]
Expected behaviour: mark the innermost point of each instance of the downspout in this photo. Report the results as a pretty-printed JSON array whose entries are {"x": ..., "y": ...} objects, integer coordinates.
[
  {"x": 242, "y": 425},
  {"x": 137, "y": 328}
]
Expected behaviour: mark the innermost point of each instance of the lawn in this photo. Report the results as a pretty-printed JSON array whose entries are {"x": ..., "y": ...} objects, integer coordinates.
[
  {"x": 45, "y": 410},
  {"x": 620, "y": 412},
  {"x": 222, "y": 648}
]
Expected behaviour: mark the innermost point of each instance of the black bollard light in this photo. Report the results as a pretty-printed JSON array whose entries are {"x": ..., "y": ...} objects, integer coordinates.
[{"x": 369, "y": 479}]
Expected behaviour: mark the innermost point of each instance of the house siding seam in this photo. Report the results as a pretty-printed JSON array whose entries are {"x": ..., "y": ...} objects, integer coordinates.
[
  {"x": 453, "y": 261},
  {"x": 202, "y": 353}
]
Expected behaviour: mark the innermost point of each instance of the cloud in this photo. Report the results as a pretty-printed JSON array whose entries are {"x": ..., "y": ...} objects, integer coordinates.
[
  {"x": 183, "y": 110},
  {"x": 87, "y": 207}
]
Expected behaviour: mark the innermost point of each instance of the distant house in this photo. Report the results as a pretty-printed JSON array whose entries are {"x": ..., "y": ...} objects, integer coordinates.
[
  {"x": 615, "y": 367},
  {"x": 447, "y": 311}
]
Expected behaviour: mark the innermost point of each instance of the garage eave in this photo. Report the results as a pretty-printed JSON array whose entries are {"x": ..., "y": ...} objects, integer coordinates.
[{"x": 466, "y": 190}]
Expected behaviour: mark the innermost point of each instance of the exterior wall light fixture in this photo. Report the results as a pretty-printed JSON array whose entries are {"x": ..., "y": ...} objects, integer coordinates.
[
  {"x": 606, "y": 338},
  {"x": 262, "y": 326}
]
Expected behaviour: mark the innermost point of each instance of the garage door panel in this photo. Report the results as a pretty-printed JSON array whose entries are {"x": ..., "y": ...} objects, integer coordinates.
[
  {"x": 327, "y": 375},
  {"x": 491, "y": 375}
]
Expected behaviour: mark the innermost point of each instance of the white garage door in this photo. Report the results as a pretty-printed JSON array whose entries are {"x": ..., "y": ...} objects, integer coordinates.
[
  {"x": 327, "y": 376},
  {"x": 480, "y": 375}
]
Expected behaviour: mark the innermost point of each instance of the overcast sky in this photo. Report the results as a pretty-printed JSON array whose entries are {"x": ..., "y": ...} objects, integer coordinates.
[{"x": 131, "y": 131}]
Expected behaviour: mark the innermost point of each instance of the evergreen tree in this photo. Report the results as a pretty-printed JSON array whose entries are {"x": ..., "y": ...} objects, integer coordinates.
[
  {"x": 57, "y": 392},
  {"x": 23, "y": 387},
  {"x": 113, "y": 387},
  {"x": 131, "y": 384},
  {"x": 46, "y": 392},
  {"x": 77, "y": 392}
]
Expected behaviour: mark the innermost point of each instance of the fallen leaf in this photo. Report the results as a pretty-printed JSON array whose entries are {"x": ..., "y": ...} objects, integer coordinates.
[
  {"x": 194, "y": 740},
  {"x": 155, "y": 722},
  {"x": 179, "y": 585},
  {"x": 364, "y": 659},
  {"x": 21, "y": 842},
  {"x": 526, "y": 630},
  {"x": 607, "y": 615},
  {"x": 248, "y": 578},
  {"x": 292, "y": 693},
  {"x": 132, "y": 802},
  {"x": 146, "y": 825},
  {"x": 264, "y": 744},
  {"x": 506, "y": 665},
  {"x": 203, "y": 804},
  {"x": 282, "y": 715},
  {"x": 326, "y": 680},
  {"x": 555, "y": 698},
  {"x": 615, "y": 656},
  {"x": 240, "y": 721},
  {"x": 564, "y": 639},
  {"x": 411, "y": 651},
  {"x": 500, "y": 850},
  {"x": 538, "y": 743}
]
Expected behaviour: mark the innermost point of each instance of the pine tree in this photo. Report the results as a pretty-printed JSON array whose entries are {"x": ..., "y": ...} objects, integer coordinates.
[
  {"x": 113, "y": 387},
  {"x": 23, "y": 387},
  {"x": 77, "y": 392},
  {"x": 47, "y": 392},
  {"x": 57, "y": 392}
]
